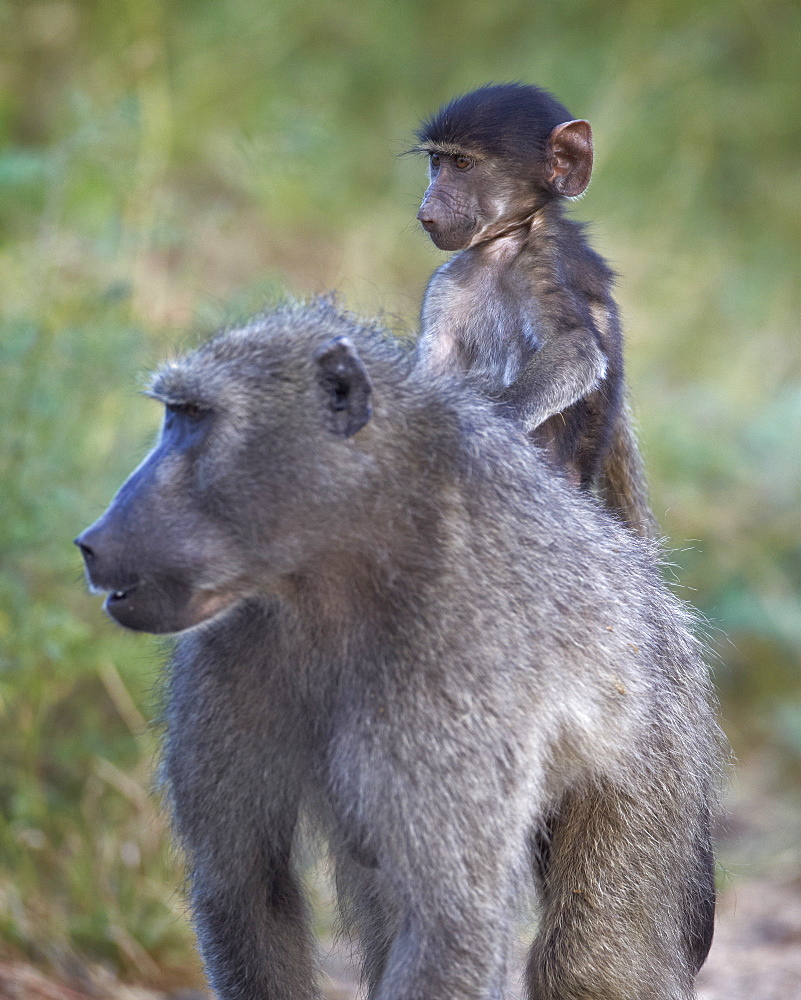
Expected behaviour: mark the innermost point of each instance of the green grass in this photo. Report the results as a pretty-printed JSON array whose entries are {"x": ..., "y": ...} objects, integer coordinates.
[{"x": 165, "y": 168}]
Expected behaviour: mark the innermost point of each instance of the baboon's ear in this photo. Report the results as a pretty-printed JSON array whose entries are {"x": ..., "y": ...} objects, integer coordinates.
[
  {"x": 346, "y": 386},
  {"x": 568, "y": 158}
]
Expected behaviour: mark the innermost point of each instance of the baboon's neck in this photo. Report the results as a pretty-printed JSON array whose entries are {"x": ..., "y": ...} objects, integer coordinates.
[
  {"x": 385, "y": 560},
  {"x": 544, "y": 227}
]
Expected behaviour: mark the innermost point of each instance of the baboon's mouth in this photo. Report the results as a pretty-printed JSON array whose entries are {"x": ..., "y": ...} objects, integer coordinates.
[
  {"x": 161, "y": 606},
  {"x": 119, "y": 605},
  {"x": 115, "y": 596},
  {"x": 142, "y": 607}
]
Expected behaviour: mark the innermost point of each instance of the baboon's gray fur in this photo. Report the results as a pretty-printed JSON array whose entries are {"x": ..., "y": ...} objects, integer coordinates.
[{"x": 421, "y": 640}]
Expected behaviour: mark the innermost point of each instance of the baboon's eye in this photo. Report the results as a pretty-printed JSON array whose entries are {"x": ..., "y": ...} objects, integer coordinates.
[
  {"x": 435, "y": 159},
  {"x": 186, "y": 424},
  {"x": 189, "y": 410},
  {"x": 463, "y": 163}
]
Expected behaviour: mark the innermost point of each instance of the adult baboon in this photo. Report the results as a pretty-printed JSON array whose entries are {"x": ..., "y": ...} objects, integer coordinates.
[{"x": 406, "y": 630}]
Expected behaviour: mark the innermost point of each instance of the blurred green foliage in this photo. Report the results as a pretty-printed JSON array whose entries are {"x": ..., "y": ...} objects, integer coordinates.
[{"x": 169, "y": 166}]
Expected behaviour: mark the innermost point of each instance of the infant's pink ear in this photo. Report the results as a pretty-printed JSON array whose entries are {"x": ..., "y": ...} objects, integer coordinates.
[{"x": 568, "y": 158}]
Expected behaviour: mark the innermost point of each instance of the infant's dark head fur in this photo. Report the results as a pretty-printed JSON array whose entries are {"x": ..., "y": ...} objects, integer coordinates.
[{"x": 508, "y": 121}]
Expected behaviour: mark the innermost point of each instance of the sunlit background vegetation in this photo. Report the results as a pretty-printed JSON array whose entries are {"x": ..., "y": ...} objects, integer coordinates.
[{"x": 167, "y": 167}]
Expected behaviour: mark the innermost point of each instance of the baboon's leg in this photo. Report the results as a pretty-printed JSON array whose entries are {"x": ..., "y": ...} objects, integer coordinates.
[
  {"x": 248, "y": 906},
  {"x": 699, "y": 908},
  {"x": 434, "y": 918},
  {"x": 252, "y": 930},
  {"x": 228, "y": 754},
  {"x": 366, "y": 917},
  {"x": 628, "y": 897}
]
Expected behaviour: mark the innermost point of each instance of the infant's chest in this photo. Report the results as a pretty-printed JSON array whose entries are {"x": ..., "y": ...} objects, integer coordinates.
[{"x": 493, "y": 327}]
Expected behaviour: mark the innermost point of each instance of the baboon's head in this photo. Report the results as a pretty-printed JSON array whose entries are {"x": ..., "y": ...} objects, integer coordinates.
[
  {"x": 496, "y": 156},
  {"x": 259, "y": 465}
]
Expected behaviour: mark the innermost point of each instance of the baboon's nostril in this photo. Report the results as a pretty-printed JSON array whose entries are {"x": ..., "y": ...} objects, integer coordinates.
[{"x": 86, "y": 551}]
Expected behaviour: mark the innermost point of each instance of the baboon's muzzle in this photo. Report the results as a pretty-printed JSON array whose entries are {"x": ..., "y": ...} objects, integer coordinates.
[
  {"x": 446, "y": 232},
  {"x": 145, "y": 591},
  {"x": 145, "y": 602}
]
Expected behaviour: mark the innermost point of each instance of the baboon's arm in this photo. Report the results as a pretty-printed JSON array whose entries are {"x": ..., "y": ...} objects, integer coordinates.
[{"x": 568, "y": 366}]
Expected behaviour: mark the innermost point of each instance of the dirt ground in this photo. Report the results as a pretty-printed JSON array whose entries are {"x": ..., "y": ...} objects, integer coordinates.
[{"x": 756, "y": 954}]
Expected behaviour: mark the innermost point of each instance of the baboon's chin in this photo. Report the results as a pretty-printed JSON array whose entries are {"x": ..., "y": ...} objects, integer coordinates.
[
  {"x": 452, "y": 239},
  {"x": 146, "y": 609}
]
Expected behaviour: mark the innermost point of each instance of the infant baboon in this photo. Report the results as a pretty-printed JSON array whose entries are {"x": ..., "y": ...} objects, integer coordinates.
[
  {"x": 413, "y": 636},
  {"x": 525, "y": 309}
]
